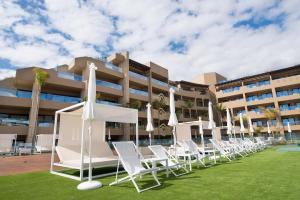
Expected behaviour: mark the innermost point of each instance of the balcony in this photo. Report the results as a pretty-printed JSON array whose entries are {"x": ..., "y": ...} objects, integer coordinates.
[
  {"x": 70, "y": 76},
  {"x": 160, "y": 83},
  {"x": 15, "y": 93},
  {"x": 285, "y": 95},
  {"x": 259, "y": 97},
  {"x": 113, "y": 67},
  {"x": 138, "y": 92},
  {"x": 9, "y": 120},
  {"x": 59, "y": 98},
  {"x": 108, "y": 103},
  {"x": 139, "y": 76},
  {"x": 258, "y": 84},
  {"x": 232, "y": 89},
  {"x": 287, "y": 109},
  {"x": 109, "y": 84}
]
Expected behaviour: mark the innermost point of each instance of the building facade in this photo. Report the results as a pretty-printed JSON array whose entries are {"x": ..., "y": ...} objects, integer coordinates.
[
  {"x": 278, "y": 90},
  {"x": 121, "y": 81}
]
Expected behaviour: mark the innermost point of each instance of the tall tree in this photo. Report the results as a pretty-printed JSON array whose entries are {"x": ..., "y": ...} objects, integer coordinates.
[
  {"x": 220, "y": 109},
  {"x": 188, "y": 104},
  {"x": 39, "y": 80},
  {"x": 271, "y": 114}
]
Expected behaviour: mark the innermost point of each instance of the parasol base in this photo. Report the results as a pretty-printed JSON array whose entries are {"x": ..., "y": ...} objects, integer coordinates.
[{"x": 89, "y": 185}]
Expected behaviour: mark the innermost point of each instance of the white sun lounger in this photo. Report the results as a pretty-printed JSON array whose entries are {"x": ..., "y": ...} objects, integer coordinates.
[
  {"x": 191, "y": 147},
  {"x": 7, "y": 143},
  {"x": 131, "y": 160},
  {"x": 43, "y": 143},
  {"x": 172, "y": 163},
  {"x": 223, "y": 152}
]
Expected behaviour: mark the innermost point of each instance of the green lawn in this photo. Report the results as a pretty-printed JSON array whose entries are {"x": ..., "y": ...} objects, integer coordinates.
[{"x": 266, "y": 175}]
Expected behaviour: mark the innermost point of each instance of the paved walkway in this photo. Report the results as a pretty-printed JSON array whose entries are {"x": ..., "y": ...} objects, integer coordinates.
[{"x": 24, "y": 164}]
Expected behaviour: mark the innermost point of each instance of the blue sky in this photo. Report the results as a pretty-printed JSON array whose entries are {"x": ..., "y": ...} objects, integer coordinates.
[{"x": 234, "y": 38}]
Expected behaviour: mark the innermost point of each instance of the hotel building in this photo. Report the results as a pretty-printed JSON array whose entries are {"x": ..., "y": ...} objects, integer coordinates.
[
  {"x": 278, "y": 89},
  {"x": 121, "y": 81}
]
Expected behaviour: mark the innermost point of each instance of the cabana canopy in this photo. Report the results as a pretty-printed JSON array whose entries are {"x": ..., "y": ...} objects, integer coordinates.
[
  {"x": 73, "y": 141},
  {"x": 184, "y": 129}
]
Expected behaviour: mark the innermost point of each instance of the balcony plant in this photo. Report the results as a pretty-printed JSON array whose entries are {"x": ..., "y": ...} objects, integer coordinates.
[
  {"x": 159, "y": 104},
  {"x": 135, "y": 104}
]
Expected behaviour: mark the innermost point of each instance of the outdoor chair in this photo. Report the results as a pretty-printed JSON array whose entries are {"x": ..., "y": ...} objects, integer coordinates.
[
  {"x": 171, "y": 162},
  {"x": 223, "y": 152},
  {"x": 132, "y": 162}
]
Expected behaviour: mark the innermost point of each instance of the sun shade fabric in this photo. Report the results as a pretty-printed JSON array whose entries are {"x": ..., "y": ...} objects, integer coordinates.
[
  {"x": 68, "y": 147},
  {"x": 184, "y": 129},
  {"x": 109, "y": 113}
]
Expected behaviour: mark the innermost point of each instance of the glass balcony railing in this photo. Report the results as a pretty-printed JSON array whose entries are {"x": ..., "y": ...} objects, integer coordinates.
[
  {"x": 259, "y": 97},
  {"x": 59, "y": 98},
  {"x": 138, "y": 92},
  {"x": 137, "y": 75},
  {"x": 240, "y": 111},
  {"x": 232, "y": 89},
  {"x": 46, "y": 124},
  {"x": 285, "y": 107},
  {"x": 292, "y": 121},
  {"x": 108, "y": 103},
  {"x": 109, "y": 84},
  {"x": 288, "y": 92},
  {"x": 70, "y": 76},
  {"x": 260, "y": 111},
  {"x": 264, "y": 123},
  {"x": 258, "y": 84},
  {"x": 161, "y": 83},
  {"x": 13, "y": 120},
  {"x": 15, "y": 93},
  {"x": 174, "y": 87},
  {"x": 113, "y": 67}
]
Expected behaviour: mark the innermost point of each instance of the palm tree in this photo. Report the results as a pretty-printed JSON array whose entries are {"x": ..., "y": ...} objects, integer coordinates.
[
  {"x": 220, "y": 108},
  {"x": 135, "y": 104},
  {"x": 159, "y": 104},
  {"x": 271, "y": 114},
  {"x": 188, "y": 104},
  {"x": 257, "y": 130},
  {"x": 39, "y": 80}
]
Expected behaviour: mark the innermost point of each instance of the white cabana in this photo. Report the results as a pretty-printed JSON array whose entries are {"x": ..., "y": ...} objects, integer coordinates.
[
  {"x": 184, "y": 129},
  {"x": 72, "y": 145}
]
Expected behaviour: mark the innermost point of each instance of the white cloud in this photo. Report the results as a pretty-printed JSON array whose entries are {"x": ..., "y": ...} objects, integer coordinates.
[
  {"x": 6, "y": 73},
  {"x": 81, "y": 28}
]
